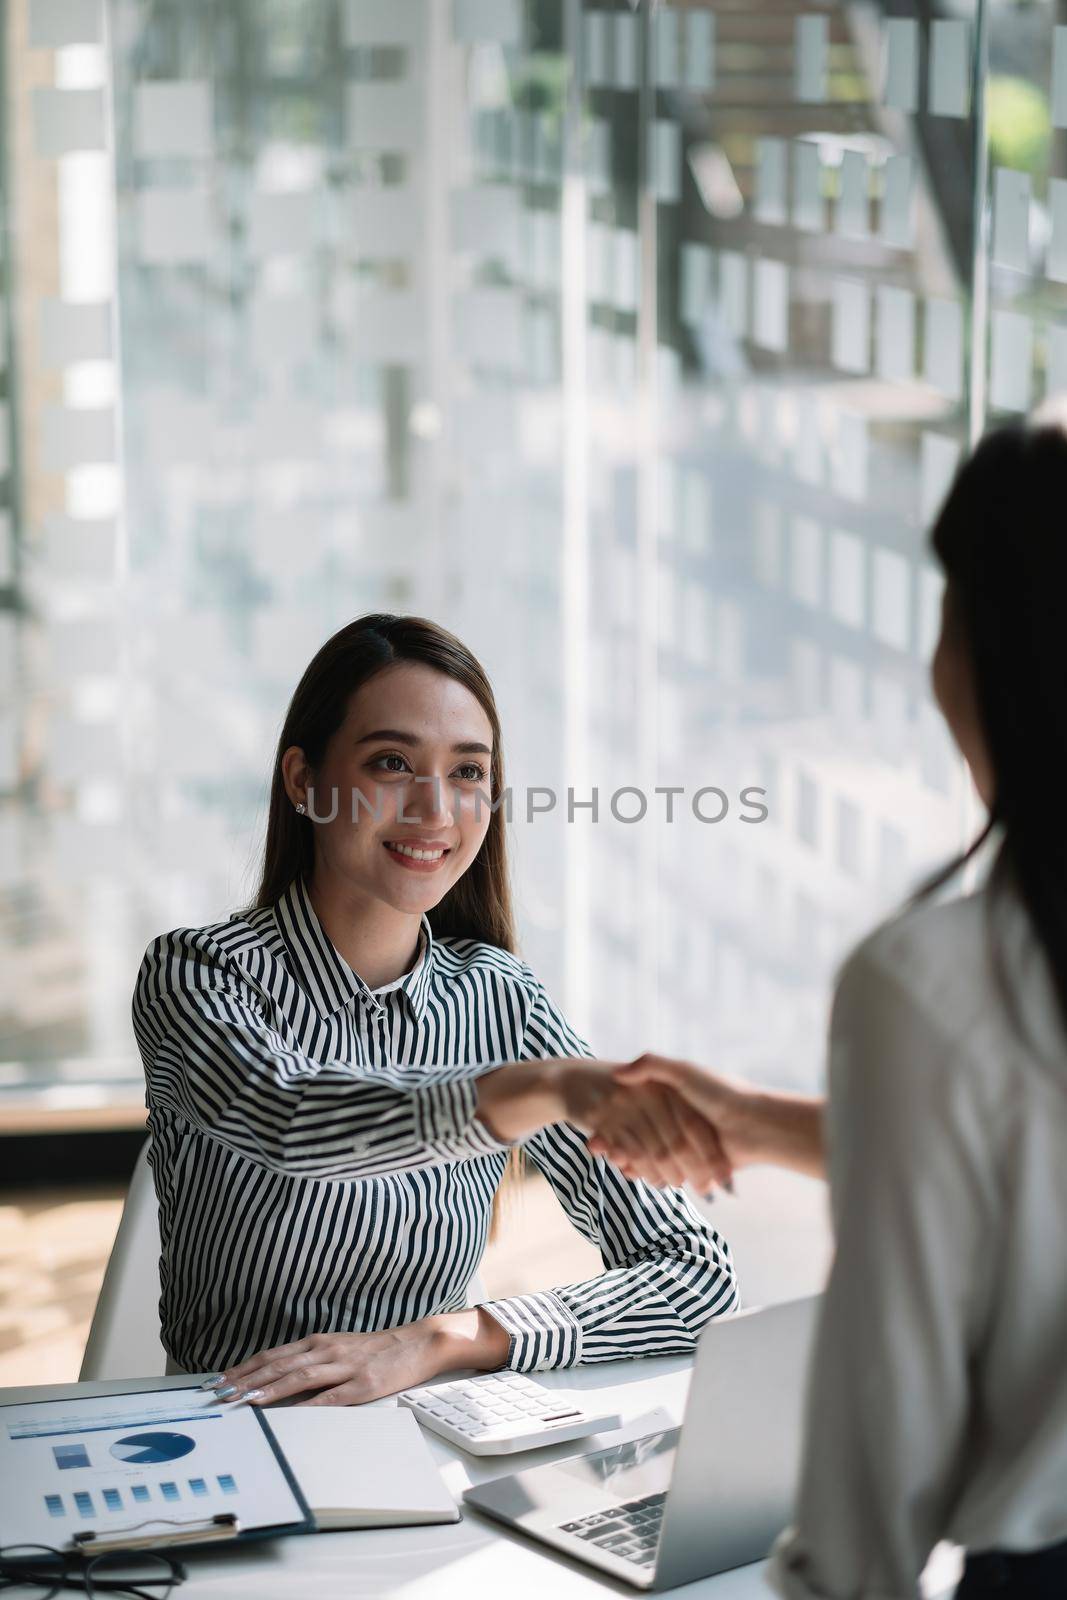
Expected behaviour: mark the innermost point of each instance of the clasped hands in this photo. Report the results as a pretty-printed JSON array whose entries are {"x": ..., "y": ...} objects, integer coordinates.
[{"x": 666, "y": 1121}]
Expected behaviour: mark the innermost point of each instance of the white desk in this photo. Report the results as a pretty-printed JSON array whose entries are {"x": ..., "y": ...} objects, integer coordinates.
[{"x": 469, "y": 1560}]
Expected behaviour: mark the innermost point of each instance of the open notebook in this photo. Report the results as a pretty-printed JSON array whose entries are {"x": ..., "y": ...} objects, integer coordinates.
[{"x": 362, "y": 1467}]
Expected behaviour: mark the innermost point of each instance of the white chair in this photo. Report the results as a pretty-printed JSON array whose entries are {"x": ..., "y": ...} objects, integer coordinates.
[{"x": 124, "y": 1337}]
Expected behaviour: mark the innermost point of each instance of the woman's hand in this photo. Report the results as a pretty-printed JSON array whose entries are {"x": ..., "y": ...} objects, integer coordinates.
[
  {"x": 649, "y": 1130},
  {"x": 752, "y": 1125},
  {"x": 347, "y": 1369}
]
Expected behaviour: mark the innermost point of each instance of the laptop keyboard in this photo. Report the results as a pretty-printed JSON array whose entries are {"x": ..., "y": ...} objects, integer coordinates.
[{"x": 630, "y": 1530}]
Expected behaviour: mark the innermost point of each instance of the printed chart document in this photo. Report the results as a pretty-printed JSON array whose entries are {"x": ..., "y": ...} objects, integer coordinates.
[
  {"x": 362, "y": 1466},
  {"x": 155, "y": 1466}
]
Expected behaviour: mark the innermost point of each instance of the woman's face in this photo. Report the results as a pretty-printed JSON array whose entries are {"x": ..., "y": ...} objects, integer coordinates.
[
  {"x": 952, "y": 677},
  {"x": 411, "y": 762}
]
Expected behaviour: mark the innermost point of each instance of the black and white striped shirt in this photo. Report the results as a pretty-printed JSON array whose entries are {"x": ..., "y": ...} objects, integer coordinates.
[{"x": 319, "y": 1165}]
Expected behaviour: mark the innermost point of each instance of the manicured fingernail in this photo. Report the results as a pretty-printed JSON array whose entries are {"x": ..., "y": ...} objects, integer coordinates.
[
  {"x": 213, "y": 1383},
  {"x": 224, "y": 1394},
  {"x": 250, "y": 1394},
  {"x": 728, "y": 1185}
]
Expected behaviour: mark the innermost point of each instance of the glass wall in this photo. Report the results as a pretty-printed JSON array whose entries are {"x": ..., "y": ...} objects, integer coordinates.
[{"x": 635, "y": 343}]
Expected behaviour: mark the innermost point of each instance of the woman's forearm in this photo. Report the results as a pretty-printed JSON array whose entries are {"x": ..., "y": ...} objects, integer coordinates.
[
  {"x": 786, "y": 1130},
  {"x": 520, "y": 1099},
  {"x": 472, "y": 1338}
]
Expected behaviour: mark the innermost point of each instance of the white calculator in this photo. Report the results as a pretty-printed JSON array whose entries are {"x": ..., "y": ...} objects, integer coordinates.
[{"x": 499, "y": 1413}]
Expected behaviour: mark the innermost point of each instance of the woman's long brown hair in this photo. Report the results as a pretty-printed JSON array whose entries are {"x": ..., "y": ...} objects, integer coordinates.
[{"x": 478, "y": 905}]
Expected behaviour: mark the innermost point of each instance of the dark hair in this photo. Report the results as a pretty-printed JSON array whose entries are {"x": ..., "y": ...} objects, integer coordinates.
[
  {"x": 1001, "y": 537},
  {"x": 478, "y": 905}
]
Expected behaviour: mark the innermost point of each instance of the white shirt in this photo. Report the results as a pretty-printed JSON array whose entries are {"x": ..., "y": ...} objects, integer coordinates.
[{"x": 937, "y": 1402}]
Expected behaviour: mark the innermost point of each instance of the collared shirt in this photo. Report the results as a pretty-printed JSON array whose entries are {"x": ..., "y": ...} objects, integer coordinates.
[
  {"x": 319, "y": 1165},
  {"x": 937, "y": 1406}
]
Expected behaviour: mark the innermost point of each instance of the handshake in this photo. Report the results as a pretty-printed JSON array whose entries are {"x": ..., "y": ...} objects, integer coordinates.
[{"x": 666, "y": 1121}]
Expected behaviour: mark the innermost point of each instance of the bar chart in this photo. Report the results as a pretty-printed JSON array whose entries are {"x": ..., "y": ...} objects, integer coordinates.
[{"x": 118, "y": 1499}]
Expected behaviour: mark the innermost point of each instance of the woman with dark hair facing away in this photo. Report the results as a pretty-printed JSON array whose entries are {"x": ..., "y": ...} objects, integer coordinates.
[
  {"x": 937, "y": 1403},
  {"x": 338, "y": 1075}
]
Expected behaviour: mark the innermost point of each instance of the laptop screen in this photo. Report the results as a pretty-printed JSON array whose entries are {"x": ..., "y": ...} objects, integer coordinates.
[{"x": 628, "y": 1471}]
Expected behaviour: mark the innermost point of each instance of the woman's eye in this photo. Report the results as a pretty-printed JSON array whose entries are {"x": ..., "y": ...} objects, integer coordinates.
[
  {"x": 380, "y": 762},
  {"x": 471, "y": 772}
]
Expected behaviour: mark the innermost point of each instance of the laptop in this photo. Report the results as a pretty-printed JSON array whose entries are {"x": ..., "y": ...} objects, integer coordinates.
[{"x": 681, "y": 1504}]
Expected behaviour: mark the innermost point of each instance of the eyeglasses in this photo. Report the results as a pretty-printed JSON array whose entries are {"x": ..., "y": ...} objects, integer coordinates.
[{"x": 145, "y": 1575}]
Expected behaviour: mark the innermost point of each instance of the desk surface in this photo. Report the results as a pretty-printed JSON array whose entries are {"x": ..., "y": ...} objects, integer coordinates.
[{"x": 467, "y": 1560}]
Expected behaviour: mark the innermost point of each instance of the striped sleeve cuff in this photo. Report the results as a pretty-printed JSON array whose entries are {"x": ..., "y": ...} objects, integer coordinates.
[
  {"x": 445, "y": 1121},
  {"x": 542, "y": 1332}
]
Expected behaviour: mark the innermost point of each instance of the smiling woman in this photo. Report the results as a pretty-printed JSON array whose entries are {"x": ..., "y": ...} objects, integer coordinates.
[{"x": 339, "y": 1074}]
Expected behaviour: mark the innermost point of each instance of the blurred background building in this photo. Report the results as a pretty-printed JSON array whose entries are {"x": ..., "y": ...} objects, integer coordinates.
[{"x": 636, "y": 343}]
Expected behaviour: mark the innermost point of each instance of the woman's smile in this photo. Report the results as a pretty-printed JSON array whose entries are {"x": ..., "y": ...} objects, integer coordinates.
[{"x": 418, "y": 855}]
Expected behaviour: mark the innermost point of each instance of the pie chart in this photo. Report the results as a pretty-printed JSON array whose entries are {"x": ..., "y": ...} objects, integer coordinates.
[{"x": 147, "y": 1447}]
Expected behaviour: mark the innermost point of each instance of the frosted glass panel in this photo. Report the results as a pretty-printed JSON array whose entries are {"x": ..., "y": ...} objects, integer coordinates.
[{"x": 636, "y": 343}]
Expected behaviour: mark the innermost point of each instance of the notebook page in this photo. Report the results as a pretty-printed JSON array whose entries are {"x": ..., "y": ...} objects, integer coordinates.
[{"x": 362, "y": 1466}]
